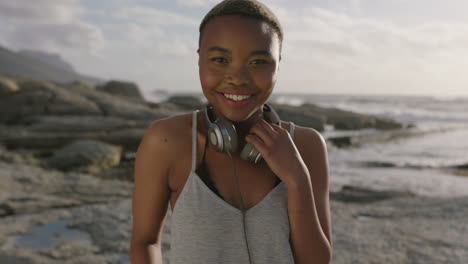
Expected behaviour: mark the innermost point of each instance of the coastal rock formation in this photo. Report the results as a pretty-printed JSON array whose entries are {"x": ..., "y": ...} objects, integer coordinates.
[
  {"x": 47, "y": 115},
  {"x": 346, "y": 120},
  {"x": 85, "y": 153},
  {"x": 298, "y": 116},
  {"x": 401, "y": 228},
  {"x": 121, "y": 88},
  {"x": 7, "y": 86},
  {"x": 39, "y": 98},
  {"x": 308, "y": 115},
  {"x": 66, "y": 167},
  {"x": 186, "y": 102},
  {"x": 80, "y": 217},
  {"x": 26, "y": 188},
  {"x": 52, "y": 115}
]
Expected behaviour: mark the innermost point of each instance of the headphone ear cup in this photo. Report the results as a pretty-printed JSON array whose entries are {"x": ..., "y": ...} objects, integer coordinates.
[
  {"x": 229, "y": 135},
  {"x": 271, "y": 116},
  {"x": 215, "y": 137},
  {"x": 250, "y": 153}
]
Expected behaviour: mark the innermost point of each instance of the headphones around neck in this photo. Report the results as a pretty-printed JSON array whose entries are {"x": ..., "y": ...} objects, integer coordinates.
[{"x": 223, "y": 137}]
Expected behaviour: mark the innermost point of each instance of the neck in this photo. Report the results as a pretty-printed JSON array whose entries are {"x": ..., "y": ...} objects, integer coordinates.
[{"x": 244, "y": 127}]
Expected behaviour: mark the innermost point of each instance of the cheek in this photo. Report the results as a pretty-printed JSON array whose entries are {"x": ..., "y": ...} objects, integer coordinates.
[
  {"x": 266, "y": 78},
  {"x": 210, "y": 78}
]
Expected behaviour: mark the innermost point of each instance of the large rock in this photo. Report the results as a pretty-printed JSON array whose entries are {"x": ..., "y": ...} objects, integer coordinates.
[
  {"x": 37, "y": 98},
  {"x": 46, "y": 115},
  {"x": 356, "y": 138},
  {"x": 41, "y": 98},
  {"x": 75, "y": 213},
  {"x": 19, "y": 137},
  {"x": 398, "y": 228},
  {"x": 11, "y": 157},
  {"x": 7, "y": 86},
  {"x": 368, "y": 226},
  {"x": 121, "y": 88},
  {"x": 115, "y": 106},
  {"x": 81, "y": 123},
  {"x": 347, "y": 120},
  {"x": 317, "y": 117},
  {"x": 26, "y": 189},
  {"x": 187, "y": 102},
  {"x": 84, "y": 153},
  {"x": 300, "y": 117},
  {"x": 92, "y": 234}
]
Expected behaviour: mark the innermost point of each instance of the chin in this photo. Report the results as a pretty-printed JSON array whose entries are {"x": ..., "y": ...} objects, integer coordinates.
[{"x": 238, "y": 116}]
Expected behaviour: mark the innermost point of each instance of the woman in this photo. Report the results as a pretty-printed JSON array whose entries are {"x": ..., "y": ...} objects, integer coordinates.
[{"x": 224, "y": 208}]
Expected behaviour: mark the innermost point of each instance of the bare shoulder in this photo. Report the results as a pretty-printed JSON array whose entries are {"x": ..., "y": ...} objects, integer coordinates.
[
  {"x": 309, "y": 140},
  {"x": 154, "y": 161},
  {"x": 162, "y": 130},
  {"x": 313, "y": 149},
  {"x": 168, "y": 140}
]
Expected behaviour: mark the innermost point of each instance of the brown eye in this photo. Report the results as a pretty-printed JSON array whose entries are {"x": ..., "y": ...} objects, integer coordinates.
[
  {"x": 219, "y": 60},
  {"x": 259, "y": 62}
]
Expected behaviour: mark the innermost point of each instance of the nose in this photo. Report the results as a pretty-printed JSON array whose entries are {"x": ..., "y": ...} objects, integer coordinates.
[{"x": 238, "y": 76}]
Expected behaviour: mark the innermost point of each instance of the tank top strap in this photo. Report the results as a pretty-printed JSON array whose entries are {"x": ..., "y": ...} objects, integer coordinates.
[
  {"x": 291, "y": 129},
  {"x": 194, "y": 140}
]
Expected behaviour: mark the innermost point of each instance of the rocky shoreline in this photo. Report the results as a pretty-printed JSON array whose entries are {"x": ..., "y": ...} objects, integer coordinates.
[{"x": 66, "y": 170}]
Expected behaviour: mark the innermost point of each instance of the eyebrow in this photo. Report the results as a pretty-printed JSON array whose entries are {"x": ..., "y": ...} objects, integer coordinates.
[{"x": 255, "y": 52}]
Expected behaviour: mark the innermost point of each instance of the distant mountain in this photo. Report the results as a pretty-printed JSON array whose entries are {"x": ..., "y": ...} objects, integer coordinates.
[
  {"x": 40, "y": 65},
  {"x": 49, "y": 58}
]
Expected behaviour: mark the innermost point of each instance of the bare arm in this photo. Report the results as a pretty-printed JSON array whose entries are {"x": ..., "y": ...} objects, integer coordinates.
[
  {"x": 151, "y": 193},
  {"x": 303, "y": 167},
  {"x": 308, "y": 202}
]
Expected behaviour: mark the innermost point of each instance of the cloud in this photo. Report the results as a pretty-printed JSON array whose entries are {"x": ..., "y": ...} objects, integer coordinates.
[
  {"x": 152, "y": 41},
  {"x": 56, "y": 37},
  {"x": 325, "y": 32},
  {"x": 153, "y": 31},
  {"x": 345, "y": 53},
  {"x": 152, "y": 16},
  {"x": 48, "y": 11},
  {"x": 48, "y": 25},
  {"x": 175, "y": 47},
  {"x": 197, "y": 3},
  {"x": 137, "y": 33}
]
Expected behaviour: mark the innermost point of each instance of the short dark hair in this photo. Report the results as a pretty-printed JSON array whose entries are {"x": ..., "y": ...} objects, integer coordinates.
[{"x": 246, "y": 8}]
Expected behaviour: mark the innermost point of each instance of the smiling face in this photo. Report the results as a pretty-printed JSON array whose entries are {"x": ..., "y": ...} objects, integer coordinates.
[{"x": 238, "y": 65}]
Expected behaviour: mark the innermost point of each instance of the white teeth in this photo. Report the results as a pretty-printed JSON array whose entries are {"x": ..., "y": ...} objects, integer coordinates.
[{"x": 236, "y": 97}]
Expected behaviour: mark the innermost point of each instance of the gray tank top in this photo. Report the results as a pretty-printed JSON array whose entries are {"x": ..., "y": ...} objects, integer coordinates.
[{"x": 205, "y": 229}]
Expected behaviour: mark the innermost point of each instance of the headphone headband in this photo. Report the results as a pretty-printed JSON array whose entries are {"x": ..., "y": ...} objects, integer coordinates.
[{"x": 222, "y": 134}]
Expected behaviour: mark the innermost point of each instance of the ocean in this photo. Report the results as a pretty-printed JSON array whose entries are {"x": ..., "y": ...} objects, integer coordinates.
[{"x": 431, "y": 162}]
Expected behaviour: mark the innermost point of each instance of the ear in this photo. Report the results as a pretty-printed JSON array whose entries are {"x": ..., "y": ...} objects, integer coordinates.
[{"x": 198, "y": 52}]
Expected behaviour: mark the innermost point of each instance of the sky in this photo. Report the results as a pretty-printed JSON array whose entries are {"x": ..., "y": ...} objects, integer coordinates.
[{"x": 381, "y": 47}]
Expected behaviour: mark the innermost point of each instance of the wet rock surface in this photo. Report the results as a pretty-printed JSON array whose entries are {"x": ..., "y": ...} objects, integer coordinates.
[
  {"x": 121, "y": 88},
  {"x": 400, "y": 229},
  {"x": 7, "y": 86},
  {"x": 66, "y": 181},
  {"x": 83, "y": 153}
]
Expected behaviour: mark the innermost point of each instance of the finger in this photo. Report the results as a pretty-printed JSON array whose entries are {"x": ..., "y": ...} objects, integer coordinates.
[
  {"x": 262, "y": 133},
  {"x": 275, "y": 126},
  {"x": 257, "y": 142},
  {"x": 271, "y": 131},
  {"x": 278, "y": 129}
]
